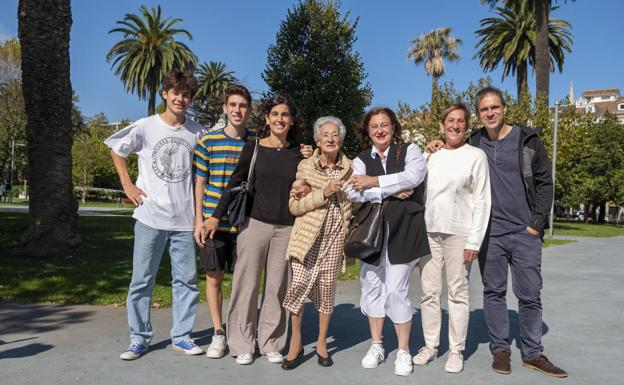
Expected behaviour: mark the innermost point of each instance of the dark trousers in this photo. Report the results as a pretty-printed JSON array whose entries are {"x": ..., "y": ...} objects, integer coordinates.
[{"x": 523, "y": 253}]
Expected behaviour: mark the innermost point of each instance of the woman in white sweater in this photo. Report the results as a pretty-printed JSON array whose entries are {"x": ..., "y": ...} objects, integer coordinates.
[{"x": 456, "y": 215}]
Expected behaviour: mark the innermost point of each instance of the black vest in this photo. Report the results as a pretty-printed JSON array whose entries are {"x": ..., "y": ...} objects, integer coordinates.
[{"x": 407, "y": 238}]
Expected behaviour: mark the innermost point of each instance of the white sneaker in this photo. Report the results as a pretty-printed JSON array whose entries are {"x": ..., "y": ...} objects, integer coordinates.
[
  {"x": 454, "y": 362},
  {"x": 244, "y": 359},
  {"x": 374, "y": 356},
  {"x": 275, "y": 357},
  {"x": 403, "y": 363},
  {"x": 425, "y": 355},
  {"x": 217, "y": 346}
]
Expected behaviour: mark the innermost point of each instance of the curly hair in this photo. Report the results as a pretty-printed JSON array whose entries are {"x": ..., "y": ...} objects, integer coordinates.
[
  {"x": 361, "y": 130},
  {"x": 294, "y": 131}
]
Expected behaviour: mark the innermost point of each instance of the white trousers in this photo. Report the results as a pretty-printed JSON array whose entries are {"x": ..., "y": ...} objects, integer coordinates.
[
  {"x": 385, "y": 289},
  {"x": 447, "y": 252}
]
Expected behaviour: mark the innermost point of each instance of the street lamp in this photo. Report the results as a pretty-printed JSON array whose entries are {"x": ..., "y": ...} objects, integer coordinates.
[
  {"x": 13, "y": 144},
  {"x": 554, "y": 168}
]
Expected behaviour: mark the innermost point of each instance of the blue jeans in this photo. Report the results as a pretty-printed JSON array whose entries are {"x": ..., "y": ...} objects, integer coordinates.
[
  {"x": 149, "y": 245},
  {"x": 522, "y": 252}
]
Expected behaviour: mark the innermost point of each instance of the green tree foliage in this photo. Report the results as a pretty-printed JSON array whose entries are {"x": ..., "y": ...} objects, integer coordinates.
[
  {"x": 313, "y": 61},
  {"x": 213, "y": 79},
  {"x": 432, "y": 49},
  {"x": 510, "y": 39},
  {"x": 148, "y": 50},
  {"x": 422, "y": 125},
  {"x": 12, "y": 114}
]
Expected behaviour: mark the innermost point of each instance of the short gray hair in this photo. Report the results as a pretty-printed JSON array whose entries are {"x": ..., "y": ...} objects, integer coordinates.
[{"x": 320, "y": 122}]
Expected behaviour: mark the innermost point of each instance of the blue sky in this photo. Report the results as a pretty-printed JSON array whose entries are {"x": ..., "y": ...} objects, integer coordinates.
[{"x": 239, "y": 33}]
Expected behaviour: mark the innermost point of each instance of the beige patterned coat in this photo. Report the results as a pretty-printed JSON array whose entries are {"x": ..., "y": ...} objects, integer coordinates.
[{"x": 310, "y": 211}]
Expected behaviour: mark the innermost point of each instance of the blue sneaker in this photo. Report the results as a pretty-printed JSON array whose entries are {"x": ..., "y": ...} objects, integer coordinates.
[
  {"x": 188, "y": 347},
  {"x": 133, "y": 352}
]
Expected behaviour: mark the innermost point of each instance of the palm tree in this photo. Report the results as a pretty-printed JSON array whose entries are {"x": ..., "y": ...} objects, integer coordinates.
[
  {"x": 511, "y": 39},
  {"x": 213, "y": 79},
  {"x": 432, "y": 48},
  {"x": 148, "y": 51},
  {"x": 543, "y": 65},
  {"x": 43, "y": 28}
]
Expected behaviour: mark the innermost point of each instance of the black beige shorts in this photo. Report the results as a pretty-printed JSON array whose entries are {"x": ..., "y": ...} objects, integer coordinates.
[{"x": 219, "y": 254}]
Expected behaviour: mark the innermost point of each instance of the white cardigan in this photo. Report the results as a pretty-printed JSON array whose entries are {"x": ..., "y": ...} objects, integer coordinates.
[{"x": 458, "y": 194}]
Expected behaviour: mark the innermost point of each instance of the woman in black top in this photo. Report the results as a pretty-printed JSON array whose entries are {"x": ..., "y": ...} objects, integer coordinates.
[{"x": 263, "y": 239}]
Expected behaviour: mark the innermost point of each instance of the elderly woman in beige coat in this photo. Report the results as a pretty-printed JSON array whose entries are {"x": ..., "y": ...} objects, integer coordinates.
[{"x": 316, "y": 246}]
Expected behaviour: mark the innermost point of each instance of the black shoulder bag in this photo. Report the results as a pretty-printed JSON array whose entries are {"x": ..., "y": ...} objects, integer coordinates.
[
  {"x": 365, "y": 237},
  {"x": 237, "y": 209}
]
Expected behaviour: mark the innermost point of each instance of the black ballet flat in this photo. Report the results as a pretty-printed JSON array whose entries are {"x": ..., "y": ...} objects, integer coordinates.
[
  {"x": 325, "y": 361},
  {"x": 292, "y": 364}
]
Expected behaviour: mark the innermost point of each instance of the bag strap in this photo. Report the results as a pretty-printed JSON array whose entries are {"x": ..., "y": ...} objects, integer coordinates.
[{"x": 253, "y": 162}]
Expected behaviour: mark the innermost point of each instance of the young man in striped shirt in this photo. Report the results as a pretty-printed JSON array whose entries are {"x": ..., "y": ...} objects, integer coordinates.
[{"x": 216, "y": 156}]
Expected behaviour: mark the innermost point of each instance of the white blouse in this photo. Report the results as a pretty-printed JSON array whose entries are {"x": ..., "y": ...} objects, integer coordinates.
[{"x": 458, "y": 194}]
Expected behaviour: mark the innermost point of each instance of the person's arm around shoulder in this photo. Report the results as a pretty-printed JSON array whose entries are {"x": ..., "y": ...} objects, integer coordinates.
[{"x": 309, "y": 202}]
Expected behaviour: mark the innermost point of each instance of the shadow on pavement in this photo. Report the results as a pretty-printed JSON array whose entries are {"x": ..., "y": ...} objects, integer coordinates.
[
  {"x": 38, "y": 318},
  {"x": 25, "y": 351}
]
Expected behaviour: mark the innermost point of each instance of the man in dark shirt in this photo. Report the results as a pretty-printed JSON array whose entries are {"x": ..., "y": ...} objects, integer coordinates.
[{"x": 522, "y": 192}]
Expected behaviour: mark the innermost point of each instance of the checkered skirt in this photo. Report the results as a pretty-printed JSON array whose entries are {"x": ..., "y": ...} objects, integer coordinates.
[{"x": 315, "y": 278}]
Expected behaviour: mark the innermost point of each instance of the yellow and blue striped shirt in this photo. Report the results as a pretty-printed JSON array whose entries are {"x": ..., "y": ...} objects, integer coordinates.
[{"x": 216, "y": 157}]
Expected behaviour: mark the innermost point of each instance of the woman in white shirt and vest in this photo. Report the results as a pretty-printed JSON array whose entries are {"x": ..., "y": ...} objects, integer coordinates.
[
  {"x": 457, "y": 215},
  {"x": 392, "y": 172}
]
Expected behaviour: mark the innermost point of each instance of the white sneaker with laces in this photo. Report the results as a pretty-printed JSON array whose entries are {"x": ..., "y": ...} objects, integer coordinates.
[
  {"x": 425, "y": 355},
  {"x": 403, "y": 363},
  {"x": 374, "y": 356},
  {"x": 217, "y": 346},
  {"x": 454, "y": 362},
  {"x": 275, "y": 357},
  {"x": 244, "y": 359}
]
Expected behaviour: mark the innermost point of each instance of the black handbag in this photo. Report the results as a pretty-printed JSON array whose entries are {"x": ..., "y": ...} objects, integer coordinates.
[
  {"x": 365, "y": 237},
  {"x": 237, "y": 209}
]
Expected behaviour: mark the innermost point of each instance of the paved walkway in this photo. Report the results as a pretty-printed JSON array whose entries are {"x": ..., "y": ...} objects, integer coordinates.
[{"x": 583, "y": 313}]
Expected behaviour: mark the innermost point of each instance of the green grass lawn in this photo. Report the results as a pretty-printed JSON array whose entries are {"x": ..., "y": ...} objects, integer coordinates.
[
  {"x": 580, "y": 229},
  {"x": 97, "y": 272}
]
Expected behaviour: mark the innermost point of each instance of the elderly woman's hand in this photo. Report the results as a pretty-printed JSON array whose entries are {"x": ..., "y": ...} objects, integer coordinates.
[
  {"x": 363, "y": 182},
  {"x": 332, "y": 187}
]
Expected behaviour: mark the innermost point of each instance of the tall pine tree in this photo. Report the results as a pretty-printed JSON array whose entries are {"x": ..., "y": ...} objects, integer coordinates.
[{"x": 314, "y": 62}]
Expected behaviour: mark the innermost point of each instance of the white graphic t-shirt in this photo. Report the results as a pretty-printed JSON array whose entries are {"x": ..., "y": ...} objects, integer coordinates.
[{"x": 165, "y": 170}]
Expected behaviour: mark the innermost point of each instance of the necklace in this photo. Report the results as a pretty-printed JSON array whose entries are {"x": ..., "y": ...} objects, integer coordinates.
[{"x": 274, "y": 146}]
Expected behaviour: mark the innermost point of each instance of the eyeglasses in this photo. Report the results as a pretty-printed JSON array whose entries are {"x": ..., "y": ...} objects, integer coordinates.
[{"x": 384, "y": 126}]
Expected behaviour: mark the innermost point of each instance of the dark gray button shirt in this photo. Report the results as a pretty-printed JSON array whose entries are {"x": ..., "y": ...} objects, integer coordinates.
[{"x": 510, "y": 209}]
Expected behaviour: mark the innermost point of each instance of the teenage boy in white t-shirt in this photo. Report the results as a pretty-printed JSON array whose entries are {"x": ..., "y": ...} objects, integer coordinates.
[{"x": 164, "y": 215}]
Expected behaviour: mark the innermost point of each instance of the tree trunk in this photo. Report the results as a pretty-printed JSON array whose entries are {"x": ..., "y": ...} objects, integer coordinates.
[
  {"x": 151, "y": 104},
  {"x": 43, "y": 28},
  {"x": 542, "y": 56},
  {"x": 603, "y": 212},
  {"x": 521, "y": 82},
  {"x": 434, "y": 88}
]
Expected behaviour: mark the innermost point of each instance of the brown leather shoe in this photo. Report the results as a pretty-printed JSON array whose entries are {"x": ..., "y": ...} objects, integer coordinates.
[
  {"x": 502, "y": 362},
  {"x": 542, "y": 364}
]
